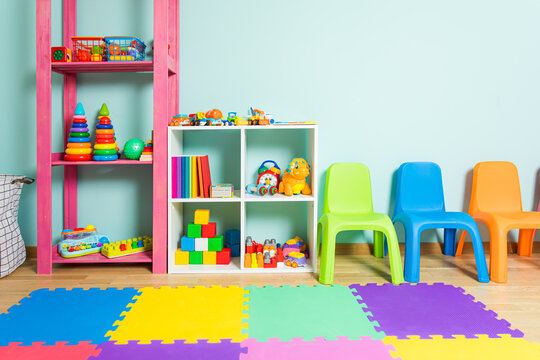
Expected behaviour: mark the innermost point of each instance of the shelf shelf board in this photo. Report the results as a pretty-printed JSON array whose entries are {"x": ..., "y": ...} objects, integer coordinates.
[
  {"x": 281, "y": 268},
  {"x": 235, "y": 198},
  {"x": 233, "y": 267},
  {"x": 58, "y": 160},
  {"x": 277, "y": 197},
  {"x": 108, "y": 66},
  {"x": 144, "y": 257},
  {"x": 247, "y": 127}
]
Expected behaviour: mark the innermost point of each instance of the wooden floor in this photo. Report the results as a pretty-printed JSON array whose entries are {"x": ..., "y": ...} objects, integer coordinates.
[{"x": 518, "y": 301}]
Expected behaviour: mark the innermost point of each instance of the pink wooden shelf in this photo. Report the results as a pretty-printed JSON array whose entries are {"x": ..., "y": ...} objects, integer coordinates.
[
  {"x": 57, "y": 159},
  {"x": 144, "y": 257},
  {"x": 106, "y": 66}
]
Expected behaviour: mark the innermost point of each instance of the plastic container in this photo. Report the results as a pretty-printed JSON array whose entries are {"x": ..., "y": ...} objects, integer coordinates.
[
  {"x": 87, "y": 48},
  {"x": 124, "y": 48}
]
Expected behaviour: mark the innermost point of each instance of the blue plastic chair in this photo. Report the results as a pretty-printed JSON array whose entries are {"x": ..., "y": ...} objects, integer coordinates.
[{"x": 420, "y": 206}]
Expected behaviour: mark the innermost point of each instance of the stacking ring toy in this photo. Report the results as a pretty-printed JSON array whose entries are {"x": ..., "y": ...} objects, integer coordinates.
[
  {"x": 105, "y": 131},
  {"x": 104, "y": 126},
  {"x": 79, "y": 145},
  {"x": 78, "y": 139},
  {"x": 79, "y": 134},
  {"x": 79, "y": 116},
  {"x": 105, "y": 157},
  {"x": 79, "y": 121},
  {"x": 105, "y": 152},
  {"x": 84, "y": 151},
  {"x": 105, "y": 146},
  {"x": 104, "y": 118},
  {"x": 78, "y": 125},
  {"x": 78, "y": 157},
  {"x": 104, "y": 122},
  {"x": 105, "y": 141}
]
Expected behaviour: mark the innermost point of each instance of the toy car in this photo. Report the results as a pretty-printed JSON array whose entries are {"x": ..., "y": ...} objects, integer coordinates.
[
  {"x": 180, "y": 120},
  {"x": 295, "y": 259}
]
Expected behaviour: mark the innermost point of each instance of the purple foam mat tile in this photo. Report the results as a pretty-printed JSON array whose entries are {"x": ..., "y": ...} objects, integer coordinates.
[
  {"x": 425, "y": 310},
  {"x": 179, "y": 350}
]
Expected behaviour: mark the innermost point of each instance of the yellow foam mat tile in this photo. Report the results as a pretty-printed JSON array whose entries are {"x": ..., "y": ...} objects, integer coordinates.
[
  {"x": 184, "y": 313},
  {"x": 503, "y": 348}
]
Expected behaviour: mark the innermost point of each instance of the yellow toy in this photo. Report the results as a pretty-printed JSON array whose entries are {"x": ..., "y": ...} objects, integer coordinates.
[
  {"x": 181, "y": 257},
  {"x": 202, "y": 217},
  {"x": 127, "y": 247},
  {"x": 105, "y": 146},
  {"x": 294, "y": 179},
  {"x": 81, "y": 151}
]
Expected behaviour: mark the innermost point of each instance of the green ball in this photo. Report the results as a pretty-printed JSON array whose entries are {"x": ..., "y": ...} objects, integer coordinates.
[{"x": 133, "y": 148}]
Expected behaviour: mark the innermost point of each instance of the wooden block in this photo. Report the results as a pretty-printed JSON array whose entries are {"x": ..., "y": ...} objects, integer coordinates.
[
  {"x": 181, "y": 257},
  {"x": 223, "y": 257},
  {"x": 209, "y": 257},
  {"x": 195, "y": 257},
  {"x": 201, "y": 244},
  {"x": 215, "y": 244},
  {"x": 202, "y": 217},
  {"x": 194, "y": 231},
  {"x": 208, "y": 230}
]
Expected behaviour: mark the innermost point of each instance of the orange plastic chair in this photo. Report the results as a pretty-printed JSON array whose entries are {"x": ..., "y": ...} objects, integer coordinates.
[{"x": 496, "y": 201}]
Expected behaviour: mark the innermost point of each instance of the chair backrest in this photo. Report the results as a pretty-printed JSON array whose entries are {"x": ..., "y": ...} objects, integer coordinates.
[
  {"x": 348, "y": 189},
  {"x": 419, "y": 188},
  {"x": 495, "y": 188}
]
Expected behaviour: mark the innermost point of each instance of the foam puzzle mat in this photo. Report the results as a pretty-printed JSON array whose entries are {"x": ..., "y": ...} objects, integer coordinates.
[{"x": 289, "y": 322}]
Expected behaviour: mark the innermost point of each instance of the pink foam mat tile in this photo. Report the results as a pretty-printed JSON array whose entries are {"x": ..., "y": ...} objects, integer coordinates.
[
  {"x": 39, "y": 351},
  {"x": 343, "y": 349}
]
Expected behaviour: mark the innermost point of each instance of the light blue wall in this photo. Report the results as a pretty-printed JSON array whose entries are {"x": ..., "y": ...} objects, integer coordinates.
[{"x": 454, "y": 82}]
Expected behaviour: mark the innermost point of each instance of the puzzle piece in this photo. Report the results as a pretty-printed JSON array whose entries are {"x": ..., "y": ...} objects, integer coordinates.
[
  {"x": 202, "y": 350},
  {"x": 462, "y": 348},
  {"x": 183, "y": 313},
  {"x": 307, "y": 312},
  {"x": 52, "y": 316},
  {"x": 58, "y": 351},
  {"x": 427, "y": 310},
  {"x": 342, "y": 349}
]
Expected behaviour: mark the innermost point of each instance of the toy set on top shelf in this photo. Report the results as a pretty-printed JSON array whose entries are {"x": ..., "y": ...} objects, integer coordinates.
[
  {"x": 293, "y": 181},
  {"x": 85, "y": 241},
  {"x": 202, "y": 245},
  {"x": 293, "y": 253},
  {"x": 79, "y": 147},
  {"x": 97, "y": 49},
  {"x": 214, "y": 117}
]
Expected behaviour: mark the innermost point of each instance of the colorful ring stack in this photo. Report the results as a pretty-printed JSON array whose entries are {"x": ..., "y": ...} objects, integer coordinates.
[
  {"x": 79, "y": 147},
  {"x": 105, "y": 148}
]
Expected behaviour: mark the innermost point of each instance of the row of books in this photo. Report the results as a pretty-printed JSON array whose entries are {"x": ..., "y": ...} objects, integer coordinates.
[{"x": 190, "y": 177}]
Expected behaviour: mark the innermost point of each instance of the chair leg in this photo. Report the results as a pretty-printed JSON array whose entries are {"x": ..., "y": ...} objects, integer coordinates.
[
  {"x": 412, "y": 254},
  {"x": 479, "y": 256},
  {"x": 525, "y": 242},
  {"x": 378, "y": 244},
  {"x": 460, "y": 243},
  {"x": 328, "y": 256},
  {"x": 450, "y": 242},
  {"x": 498, "y": 254},
  {"x": 394, "y": 256}
]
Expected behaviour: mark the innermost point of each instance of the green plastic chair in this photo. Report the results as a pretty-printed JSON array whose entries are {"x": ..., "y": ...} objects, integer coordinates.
[{"x": 348, "y": 205}]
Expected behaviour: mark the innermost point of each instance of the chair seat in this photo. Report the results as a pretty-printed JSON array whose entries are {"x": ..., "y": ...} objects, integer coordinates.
[
  {"x": 519, "y": 219},
  {"x": 358, "y": 221},
  {"x": 437, "y": 219}
]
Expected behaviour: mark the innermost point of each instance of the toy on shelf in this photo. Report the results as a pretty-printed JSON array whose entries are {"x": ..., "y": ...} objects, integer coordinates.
[
  {"x": 105, "y": 148},
  {"x": 221, "y": 190},
  {"x": 127, "y": 247},
  {"x": 88, "y": 48},
  {"x": 133, "y": 148},
  {"x": 267, "y": 181},
  {"x": 148, "y": 151},
  {"x": 180, "y": 120},
  {"x": 258, "y": 117},
  {"x": 295, "y": 259},
  {"x": 124, "y": 48},
  {"x": 81, "y": 241},
  {"x": 295, "y": 245},
  {"x": 79, "y": 147},
  {"x": 294, "y": 178},
  {"x": 202, "y": 245},
  {"x": 235, "y": 119},
  {"x": 60, "y": 54},
  {"x": 265, "y": 255}
]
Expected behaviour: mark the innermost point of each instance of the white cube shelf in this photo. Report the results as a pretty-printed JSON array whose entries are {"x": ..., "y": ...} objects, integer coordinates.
[{"x": 175, "y": 207}]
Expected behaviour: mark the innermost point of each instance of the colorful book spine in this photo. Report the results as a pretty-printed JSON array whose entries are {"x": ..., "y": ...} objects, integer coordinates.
[
  {"x": 178, "y": 177},
  {"x": 174, "y": 179}
]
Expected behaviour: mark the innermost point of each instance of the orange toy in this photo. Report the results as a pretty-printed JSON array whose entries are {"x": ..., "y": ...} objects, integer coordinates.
[
  {"x": 214, "y": 114},
  {"x": 496, "y": 202},
  {"x": 294, "y": 179},
  {"x": 114, "y": 49}
]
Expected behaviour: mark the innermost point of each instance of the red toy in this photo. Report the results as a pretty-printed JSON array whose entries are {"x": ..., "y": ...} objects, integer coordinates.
[{"x": 60, "y": 54}]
